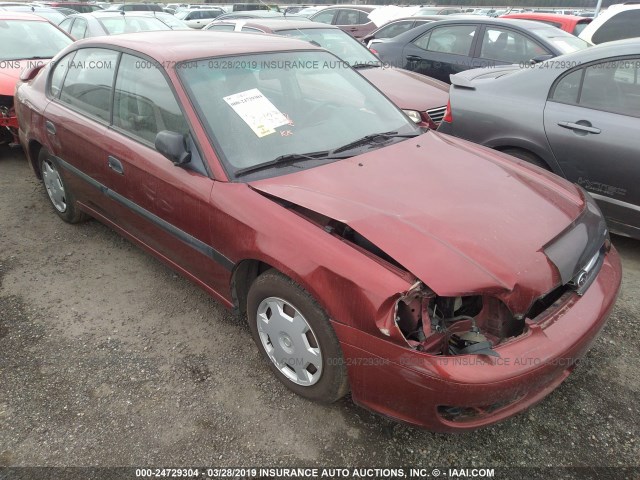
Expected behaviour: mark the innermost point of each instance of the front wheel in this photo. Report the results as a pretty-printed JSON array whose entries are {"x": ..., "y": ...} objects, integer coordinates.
[
  {"x": 294, "y": 335},
  {"x": 59, "y": 193}
]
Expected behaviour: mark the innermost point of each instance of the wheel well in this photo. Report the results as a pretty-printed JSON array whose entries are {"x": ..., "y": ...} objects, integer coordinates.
[
  {"x": 542, "y": 162},
  {"x": 34, "y": 151},
  {"x": 241, "y": 279}
]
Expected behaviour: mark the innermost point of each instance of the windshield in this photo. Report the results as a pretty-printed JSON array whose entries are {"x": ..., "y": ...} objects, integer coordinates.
[
  {"x": 28, "y": 39},
  {"x": 257, "y": 108},
  {"x": 337, "y": 42},
  {"x": 171, "y": 21},
  {"x": 125, "y": 24},
  {"x": 563, "y": 41}
]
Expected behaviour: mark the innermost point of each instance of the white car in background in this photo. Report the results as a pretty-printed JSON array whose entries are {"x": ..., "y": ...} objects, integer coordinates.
[
  {"x": 198, "y": 17},
  {"x": 617, "y": 22}
]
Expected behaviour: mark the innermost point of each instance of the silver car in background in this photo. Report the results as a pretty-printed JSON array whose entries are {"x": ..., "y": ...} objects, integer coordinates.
[{"x": 577, "y": 115}]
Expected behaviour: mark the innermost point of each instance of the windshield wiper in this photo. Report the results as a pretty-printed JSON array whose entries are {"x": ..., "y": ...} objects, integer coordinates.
[
  {"x": 288, "y": 159},
  {"x": 357, "y": 66},
  {"x": 373, "y": 138}
]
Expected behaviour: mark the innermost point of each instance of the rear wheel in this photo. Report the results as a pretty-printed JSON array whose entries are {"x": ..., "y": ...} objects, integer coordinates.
[
  {"x": 294, "y": 335},
  {"x": 59, "y": 193},
  {"x": 527, "y": 157}
]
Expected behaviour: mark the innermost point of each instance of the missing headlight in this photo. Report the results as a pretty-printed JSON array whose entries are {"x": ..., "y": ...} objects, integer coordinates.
[{"x": 461, "y": 325}]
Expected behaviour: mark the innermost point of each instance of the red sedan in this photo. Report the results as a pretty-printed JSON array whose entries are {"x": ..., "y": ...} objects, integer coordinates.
[
  {"x": 27, "y": 40},
  {"x": 442, "y": 283},
  {"x": 569, "y": 23}
]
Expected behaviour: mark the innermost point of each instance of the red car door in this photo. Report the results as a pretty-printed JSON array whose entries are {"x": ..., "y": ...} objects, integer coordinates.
[
  {"x": 168, "y": 205},
  {"x": 76, "y": 123}
]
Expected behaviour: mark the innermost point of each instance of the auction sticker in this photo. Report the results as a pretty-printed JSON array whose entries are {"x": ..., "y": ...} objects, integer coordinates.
[{"x": 257, "y": 111}]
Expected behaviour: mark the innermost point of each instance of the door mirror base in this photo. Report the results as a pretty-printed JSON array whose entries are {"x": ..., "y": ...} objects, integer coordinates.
[{"x": 173, "y": 146}]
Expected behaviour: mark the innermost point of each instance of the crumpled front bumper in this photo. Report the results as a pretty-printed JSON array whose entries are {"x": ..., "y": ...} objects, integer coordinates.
[{"x": 447, "y": 393}]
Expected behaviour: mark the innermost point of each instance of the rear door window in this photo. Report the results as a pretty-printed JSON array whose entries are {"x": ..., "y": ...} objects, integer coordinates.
[{"x": 89, "y": 81}]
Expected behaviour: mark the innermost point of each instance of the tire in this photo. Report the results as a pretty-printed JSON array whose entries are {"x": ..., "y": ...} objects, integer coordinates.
[
  {"x": 298, "y": 342},
  {"x": 60, "y": 195},
  {"x": 527, "y": 157}
]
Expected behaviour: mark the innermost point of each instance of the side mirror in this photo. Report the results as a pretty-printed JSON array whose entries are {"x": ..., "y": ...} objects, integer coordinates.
[
  {"x": 540, "y": 58},
  {"x": 173, "y": 146}
]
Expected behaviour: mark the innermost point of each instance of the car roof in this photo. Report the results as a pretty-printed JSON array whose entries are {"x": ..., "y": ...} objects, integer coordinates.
[
  {"x": 364, "y": 8},
  {"x": 8, "y": 15},
  {"x": 181, "y": 45},
  {"x": 505, "y": 22},
  {"x": 114, "y": 13},
  {"x": 281, "y": 24},
  {"x": 558, "y": 17}
]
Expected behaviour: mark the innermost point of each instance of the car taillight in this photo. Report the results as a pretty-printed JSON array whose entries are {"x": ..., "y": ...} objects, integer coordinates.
[
  {"x": 448, "y": 116},
  {"x": 373, "y": 50}
]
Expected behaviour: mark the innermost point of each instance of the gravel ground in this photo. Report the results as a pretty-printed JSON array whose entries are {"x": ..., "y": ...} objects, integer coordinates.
[{"x": 108, "y": 358}]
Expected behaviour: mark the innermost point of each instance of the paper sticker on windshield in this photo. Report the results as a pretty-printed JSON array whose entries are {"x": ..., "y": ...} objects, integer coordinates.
[{"x": 257, "y": 111}]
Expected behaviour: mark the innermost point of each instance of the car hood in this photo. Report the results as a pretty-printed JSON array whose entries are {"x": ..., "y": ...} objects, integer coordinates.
[
  {"x": 460, "y": 217},
  {"x": 10, "y": 74},
  {"x": 408, "y": 90}
]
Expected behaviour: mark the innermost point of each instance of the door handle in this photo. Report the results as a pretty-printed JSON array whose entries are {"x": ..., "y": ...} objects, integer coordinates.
[
  {"x": 580, "y": 127},
  {"x": 413, "y": 58},
  {"x": 116, "y": 165},
  {"x": 51, "y": 128}
]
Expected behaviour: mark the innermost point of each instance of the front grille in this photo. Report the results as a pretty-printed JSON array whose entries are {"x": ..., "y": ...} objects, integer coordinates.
[{"x": 437, "y": 114}]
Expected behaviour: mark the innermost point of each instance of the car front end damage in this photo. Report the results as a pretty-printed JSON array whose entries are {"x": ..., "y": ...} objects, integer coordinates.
[
  {"x": 452, "y": 363},
  {"x": 8, "y": 120},
  {"x": 504, "y": 284}
]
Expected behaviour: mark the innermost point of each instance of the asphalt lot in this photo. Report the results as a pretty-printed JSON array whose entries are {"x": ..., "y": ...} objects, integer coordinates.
[{"x": 109, "y": 358}]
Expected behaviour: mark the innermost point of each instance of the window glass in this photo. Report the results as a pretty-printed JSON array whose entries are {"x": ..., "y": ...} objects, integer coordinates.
[
  {"x": 222, "y": 28},
  {"x": 456, "y": 39},
  {"x": 567, "y": 89},
  {"x": 612, "y": 87},
  {"x": 623, "y": 25},
  {"x": 144, "y": 104},
  {"x": 253, "y": 116},
  {"x": 325, "y": 16},
  {"x": 89, "y": 80},
  {"x": 423, "y": 41},
  {"x": 66, "y": 24},
  {"x": 251, "y": 29},
  {"x": 579, "y": 28},
  {"x": 394, "y": 29},
  {"x": 79, "y": 29},
  {"x": 349, "y": 17},
  {"x": 509, "y": 46},
  {"x": 59, "y": 72},
  {"x": 124, "y": 24}
]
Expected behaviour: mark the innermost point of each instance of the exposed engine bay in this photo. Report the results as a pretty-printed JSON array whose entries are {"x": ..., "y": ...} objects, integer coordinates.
[{"x": 454, "y": 325}]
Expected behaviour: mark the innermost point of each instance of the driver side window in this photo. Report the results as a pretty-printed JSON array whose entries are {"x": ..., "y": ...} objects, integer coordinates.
[{"x": 144, "y": 104}]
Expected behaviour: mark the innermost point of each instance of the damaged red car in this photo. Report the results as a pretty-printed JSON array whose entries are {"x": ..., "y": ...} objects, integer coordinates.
[
  {"x": 442, "y": 283},
  {"x": 27, "y": 40}
]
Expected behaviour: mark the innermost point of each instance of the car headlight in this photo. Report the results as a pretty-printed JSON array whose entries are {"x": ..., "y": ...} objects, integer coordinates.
[{"x": 413, "y": 115}]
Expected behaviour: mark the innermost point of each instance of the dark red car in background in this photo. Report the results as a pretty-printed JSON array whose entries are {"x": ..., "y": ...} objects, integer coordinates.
[
  {"x": 27, "y": 41},
  {"x": 444, "y": 284}
]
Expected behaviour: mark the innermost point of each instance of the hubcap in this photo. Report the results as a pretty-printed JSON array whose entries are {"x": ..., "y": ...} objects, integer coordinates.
[
  {"x": 289, "y": 341},
  {"x": 53, "y": 184}
]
